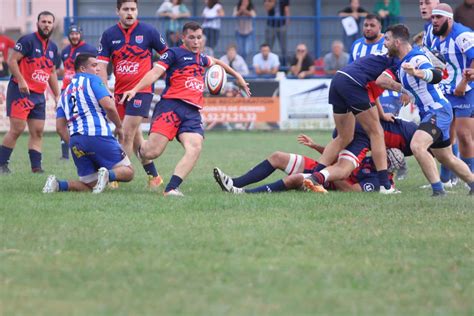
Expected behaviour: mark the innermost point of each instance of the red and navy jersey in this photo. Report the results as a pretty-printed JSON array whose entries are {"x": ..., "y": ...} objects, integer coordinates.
[
  {"x": 39, "y": 57},
  {"x": 184, "y": 75},
  {"x": 69, "y": 54},
  {"x": 130, "y": 51},
  {"x": 399, "y": 134},
  {"x": 368, "y": 68}
]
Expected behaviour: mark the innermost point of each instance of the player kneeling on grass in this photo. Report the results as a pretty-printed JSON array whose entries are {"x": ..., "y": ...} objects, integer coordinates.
[
  {"x": 177, "y": 114},
  {"x": 82, "y": 113}
]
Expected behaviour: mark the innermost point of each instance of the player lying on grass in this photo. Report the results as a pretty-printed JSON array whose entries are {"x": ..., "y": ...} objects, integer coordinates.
[
  {"x": 82, "y": 113},
  {"x": 397, "y": 134},
  {"x": 298, "y": 167}
]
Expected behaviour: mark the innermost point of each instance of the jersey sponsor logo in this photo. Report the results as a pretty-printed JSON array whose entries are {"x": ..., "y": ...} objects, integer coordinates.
[
  {"x": 369, "y": 187},
  {"x": 164, "y": 56},
  {"x": 117, "y": 42},
  {"x": 65, "y": 55},
  {"x": 187, "y": 58},
  {"x": 37, "y": 50},
  {"x": 40, "y": 76},
  {"x": 139, "y": 39},
  {"x": 18, "y": 47},
  {"x": 137, "y": 103},
  {"x": 194, "y": 84},
  {"x": 162, "y": 40},
  {"x": 127, "y": 67},
  {"x": 51, "y": 54},
  {"x": 100, "y": 48}
]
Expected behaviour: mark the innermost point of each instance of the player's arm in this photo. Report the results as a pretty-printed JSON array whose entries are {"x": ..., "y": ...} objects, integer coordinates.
[
  {"x": 239, "y": 79},
  {"x": 108, "y": 104},
  {"x": 307, "y": 141},
  {"x": 151, "y": 76},
  {"x": 13, "y": 61},
  {"x": 61, "y": 128},
  {"x": 54, "y": 84},
  {"x": 432, "y": 75},
  {"x": 389, "y": 117},
  {"x": 462, "y": 86}
]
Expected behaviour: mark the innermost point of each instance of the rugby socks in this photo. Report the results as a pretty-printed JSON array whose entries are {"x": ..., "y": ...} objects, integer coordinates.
[
  {"x": 277, "y": 186},
  {"x": 320, "y": 177},
  {"x": 319, "y": 167},
  {"x": 174, "y": 183},
  {"x": 63, "y": 185},
  {"x": 112, "y": 176},
  {"x": 150, "y": 169},
  {"x": 5, "y": 153},
  {"x": 64, "y": 150},
  {"x": 445, "y": 174},
  {"x": 35, "y": 159},
  {"x": 437, "y": 187},
  {"x": 256, "y": 174},
  {"x": 469, "y": 162},
  {"x": 382, "y": 175}
]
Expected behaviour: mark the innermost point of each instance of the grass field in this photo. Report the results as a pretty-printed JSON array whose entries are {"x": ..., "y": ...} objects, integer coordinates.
[{"x": 132, "y": 252}]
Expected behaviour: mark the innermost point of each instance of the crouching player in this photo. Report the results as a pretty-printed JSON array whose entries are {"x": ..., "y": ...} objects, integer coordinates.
[{"x": 83, "y": 110}]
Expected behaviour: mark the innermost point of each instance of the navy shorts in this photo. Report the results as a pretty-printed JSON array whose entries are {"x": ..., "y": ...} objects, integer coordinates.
[
  {"x": 462, "y": 106},
  {"x": 93, "y": 152},
  {"x": 172, "y": 117},
  {"x": 138, "y": 106},
  {"x": 25, "y": 106},
  {"x": 346, "y": 95}
]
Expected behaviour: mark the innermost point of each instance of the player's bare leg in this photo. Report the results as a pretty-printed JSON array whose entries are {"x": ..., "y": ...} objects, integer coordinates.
[
  {"x": 133, "y": 139},
  {"x": 340, "y": 170},
  {"x": 419, "y": 146},
  {"x": 465, "y": 132},
  {"x": 192, "y": 144},
  {"x": 345, "y": 125},
  {"x": 456, "y": 165},
  {"x": 35, "y": 142},
  {"x": 154, "y": 146}
]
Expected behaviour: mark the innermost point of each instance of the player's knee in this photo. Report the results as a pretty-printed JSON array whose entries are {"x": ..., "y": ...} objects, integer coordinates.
[
  {"x": 294, "y": 181},
  {"x": 416, "y": 148},
  {"x": 276, "y": 158},
  {"x": 36, "y": 134},
  {"x": 194, "y": 149},
  {"x": 127, "y": 174}
]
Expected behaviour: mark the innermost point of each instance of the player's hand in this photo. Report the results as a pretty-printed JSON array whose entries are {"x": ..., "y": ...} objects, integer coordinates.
[
  {"x": 409, "y": 68},
  {"x": 302, "y": 75},
  {"x": 127, "y": 96},
  {"x": 468, "y": 74},
  {"x": 388, "y": 117},
  {"x": 305, "y": 140},
  {"x": 405, "y": 99},
  {"x": 23, "y": 87},
  {"x": 244, "y": 85},
  {"x": 119, "y": 134},
  {"x": 461, "y": 88}
]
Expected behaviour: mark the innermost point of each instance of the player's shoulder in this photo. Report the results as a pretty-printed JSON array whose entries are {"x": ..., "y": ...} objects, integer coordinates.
[
  {"x": 142, "y": 26},
  {"x": 459, "y": 29},
  {"x": 28, "y": 38},
  {"x": 112, "y": 30}
]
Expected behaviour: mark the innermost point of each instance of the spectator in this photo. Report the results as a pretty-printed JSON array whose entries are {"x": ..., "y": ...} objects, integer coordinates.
[
  {"x": 244, "y": 32},
  {"x": 206, "y": 50},
  {"x": 357, "y": 12},
  {"x": 235, "y": 61},
  {"x": 266, "y": 62},
  {"x": 212, "y": 24},
  {"x": 278, "y": 15},
  {"x": 174, "y": 11},
  {"x": 336, "y": 59},
  {"x": 3, "y": 66},
  {"x": 302, "y": 64},
  {"x": 464, "y": 14},
  {"x": 388, "y": 10},
  {"x": 6, "y": 43}
]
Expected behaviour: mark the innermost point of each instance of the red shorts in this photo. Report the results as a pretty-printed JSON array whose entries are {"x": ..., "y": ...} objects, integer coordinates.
[{"x": 25, "y": 106}]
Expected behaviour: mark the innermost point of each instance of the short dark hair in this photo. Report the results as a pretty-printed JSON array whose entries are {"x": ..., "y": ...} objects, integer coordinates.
[
  {"x": 193, "y": 26},
  {"x": 46, "y": 13},
  {"x": 120, "y": 2},
  {"x": 264, "y": 45},
  {"x": 399, "y": 31},
  {"x": 372, "y": 16},
  {"x": 82, "y": 59}
]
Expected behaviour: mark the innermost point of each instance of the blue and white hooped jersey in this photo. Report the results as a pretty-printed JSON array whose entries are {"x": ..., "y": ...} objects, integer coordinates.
[
  {"x": 458, "y": 50},
  {"x": 360, "y": 48},
  {"x": 428, "y": 96},
  {"x": 428, "y": 36},
  {"x": 79, "y": 104}
]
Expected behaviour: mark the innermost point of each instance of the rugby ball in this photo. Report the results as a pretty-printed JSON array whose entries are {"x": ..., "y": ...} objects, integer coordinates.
[{"x": 215, "y": 79}]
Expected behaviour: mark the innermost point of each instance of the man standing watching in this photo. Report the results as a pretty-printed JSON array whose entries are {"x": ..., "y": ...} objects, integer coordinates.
[
  {"x": 68, "y": 55},
  {"x": 128, "y": 46},
  {"x": 32, "y": 68},
  {"x": 456, "y": 43}
]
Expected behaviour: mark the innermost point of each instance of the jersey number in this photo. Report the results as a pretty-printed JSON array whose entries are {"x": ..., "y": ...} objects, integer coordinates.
[{"x": 73, "y": 100}]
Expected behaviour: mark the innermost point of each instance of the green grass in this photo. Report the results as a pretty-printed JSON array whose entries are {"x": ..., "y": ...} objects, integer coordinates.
[{"x": 134, "y": 252}]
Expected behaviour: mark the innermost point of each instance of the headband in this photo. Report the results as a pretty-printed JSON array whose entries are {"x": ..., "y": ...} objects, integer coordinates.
[{"x": 442, "y": 13}]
